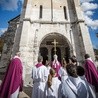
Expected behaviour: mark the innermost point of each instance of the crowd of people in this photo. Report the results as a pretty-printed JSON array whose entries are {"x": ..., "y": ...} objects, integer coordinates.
[{"x": 54, "y": 79}]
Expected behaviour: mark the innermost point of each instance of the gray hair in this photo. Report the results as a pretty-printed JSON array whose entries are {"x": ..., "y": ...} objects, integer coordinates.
[
  {"x": 55, "y": 56},
  {"x": 40, "y": 59},
  {"x": 18, "y": 53}
]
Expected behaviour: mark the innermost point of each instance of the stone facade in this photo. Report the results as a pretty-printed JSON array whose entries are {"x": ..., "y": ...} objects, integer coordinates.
[
  {"x": 8, "y": 39},
  {"x": 41, "y": 22}
]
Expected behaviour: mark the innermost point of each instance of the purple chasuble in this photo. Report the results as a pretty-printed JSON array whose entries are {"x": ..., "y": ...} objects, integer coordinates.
[
  {"x": 12, "y": 79},
  {"x": 91, "y": 73},
  {"x": 56, "y": 66}
]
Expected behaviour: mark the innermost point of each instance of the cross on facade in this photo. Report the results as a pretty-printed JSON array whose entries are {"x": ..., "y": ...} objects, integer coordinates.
[{"x": 55, "y": 43}]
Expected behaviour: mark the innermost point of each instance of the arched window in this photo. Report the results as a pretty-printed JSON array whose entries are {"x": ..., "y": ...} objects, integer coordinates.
[
  {"x": 65, "y": 14},
  {"x": 41, "y": 10}
]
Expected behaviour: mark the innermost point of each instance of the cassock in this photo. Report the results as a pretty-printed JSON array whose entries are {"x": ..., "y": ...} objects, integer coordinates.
[
  {"x": 54, "y": 90},
  {"x": 91, "y": 73},
  {"x": 12, "y": 82},
  {"x": 56, "y": 66},
  {"x": 39, "y": 76},
  {"x": 63, "y": 74},
  {"x": 76, "y": 88}
]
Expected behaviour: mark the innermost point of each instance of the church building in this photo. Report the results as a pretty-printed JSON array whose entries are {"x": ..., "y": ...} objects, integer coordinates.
[{"x": 45, "y": 26}]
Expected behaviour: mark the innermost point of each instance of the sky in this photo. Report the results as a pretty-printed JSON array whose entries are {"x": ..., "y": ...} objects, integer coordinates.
[{"x": 9, "y": 9}]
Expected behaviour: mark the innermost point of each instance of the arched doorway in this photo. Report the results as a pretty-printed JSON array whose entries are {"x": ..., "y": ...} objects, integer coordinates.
[
  {"x": 44, "y": 54},
  {"x": 63, "y": 47}
]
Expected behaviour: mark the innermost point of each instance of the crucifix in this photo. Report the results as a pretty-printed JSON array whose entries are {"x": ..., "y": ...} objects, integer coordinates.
[{"x": 55, "y": 43}]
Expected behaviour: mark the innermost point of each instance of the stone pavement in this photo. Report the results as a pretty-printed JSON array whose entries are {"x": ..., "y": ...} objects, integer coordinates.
[
  {"x": 27, "y": 91},
  {"x": 23, "y": 95}
]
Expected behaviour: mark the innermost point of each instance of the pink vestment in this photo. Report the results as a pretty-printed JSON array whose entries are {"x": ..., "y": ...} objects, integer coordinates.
[
  {"x": 91, "y": 73},
  {"x": 38, "y": 65},
  {"x": 56, "y": 66},
  {"x": 12, "y": 79}
]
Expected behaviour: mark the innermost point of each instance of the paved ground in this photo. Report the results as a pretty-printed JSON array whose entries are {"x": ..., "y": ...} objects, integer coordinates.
[
  {"x": 27, "y": 91},
  {"x": 23, "y": 95}
]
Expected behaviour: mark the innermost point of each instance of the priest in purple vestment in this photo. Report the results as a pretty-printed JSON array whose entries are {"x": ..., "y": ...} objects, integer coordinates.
[
  {"x": 91, "y": 72},
  {"x": 56, "y": 65},
  {"x": 13, "y": 81}
]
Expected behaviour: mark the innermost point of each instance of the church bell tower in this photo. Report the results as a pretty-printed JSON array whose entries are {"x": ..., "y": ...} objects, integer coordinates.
[{"x": 41, "y": 22}]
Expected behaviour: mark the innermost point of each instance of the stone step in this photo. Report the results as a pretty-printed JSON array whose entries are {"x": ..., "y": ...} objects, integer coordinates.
[{"x": 23, "y": 95}]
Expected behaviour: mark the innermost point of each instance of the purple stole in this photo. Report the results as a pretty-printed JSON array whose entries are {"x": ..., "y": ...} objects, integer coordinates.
[
  {"x": 91, "y": 73},
  {"x": 38, "y": 65},
  {"x": 12, "y": 79},
  {"x": 56, "y": 67}
]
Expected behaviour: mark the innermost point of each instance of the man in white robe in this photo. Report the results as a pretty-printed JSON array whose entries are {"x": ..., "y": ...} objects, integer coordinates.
[
  {"x": 39, "y": 76},
  {"x": 62, "y": 72},
  {"x": 48, "y": 67},
  {"x": 75, "y": 87}
]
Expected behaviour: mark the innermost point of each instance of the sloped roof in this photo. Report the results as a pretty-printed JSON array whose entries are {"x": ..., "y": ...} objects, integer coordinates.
[{"x": 15, "y": 18}]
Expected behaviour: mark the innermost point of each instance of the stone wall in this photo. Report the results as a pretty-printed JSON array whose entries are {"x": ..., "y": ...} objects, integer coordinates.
[
  {"x": 31, "y": 30},
  {"x": 8, "y": 38}
]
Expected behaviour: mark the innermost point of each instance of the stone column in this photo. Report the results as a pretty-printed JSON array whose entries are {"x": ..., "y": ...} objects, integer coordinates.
[
  {"x": 35, "y": 48},
  {"x": 86, "y": 40},
  {"x": 83, "y": 30},
  {"x": 23, "y": 48},
  {"x": 72, "y": 49}
]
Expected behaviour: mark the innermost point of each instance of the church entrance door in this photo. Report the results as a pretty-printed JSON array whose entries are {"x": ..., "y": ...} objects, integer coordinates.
[{"x": 61, "y": 48}]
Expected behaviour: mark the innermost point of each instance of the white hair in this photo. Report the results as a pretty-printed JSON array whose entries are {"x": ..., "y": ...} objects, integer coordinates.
[{"x": 55, "y": 56}]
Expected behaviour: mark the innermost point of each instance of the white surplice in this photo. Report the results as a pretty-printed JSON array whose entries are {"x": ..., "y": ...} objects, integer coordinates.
[
  {"x": 15, "y": 94},
  {"x": 48, "y": 69},
  {"x": 54, "y": 90},
  {"x": 39, "y": 76},
  {"x": 63, "y": 74},
  {"x": 76, "y": 88}
]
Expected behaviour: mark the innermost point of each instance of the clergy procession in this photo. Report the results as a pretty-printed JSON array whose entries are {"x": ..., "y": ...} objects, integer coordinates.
[
  {"x": 31, "y": 63},
  {"x": 54, "y": 79}
]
